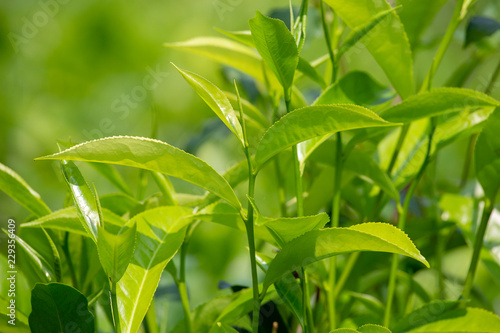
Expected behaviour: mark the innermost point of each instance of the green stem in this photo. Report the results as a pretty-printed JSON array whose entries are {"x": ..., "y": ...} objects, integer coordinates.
[
  {"x": 402, "y": 225},
  {"x": 478, "y": 245},
  {"x": 335, "y": 217},
  {"x": 249, "y": 224},
  {"x": 353, "y": 258},
  {"x": 298, "y": 182},
  {"x": 331, "y": 52},
  {"x": 443, "y": 46},
  {"x": 392, "y": 163},
  {"x": 65, "y": 248},
  {"x": 114, "y": 304},
  {"x": 281, "y": 187},
  {"x": 182, "y": 284}
]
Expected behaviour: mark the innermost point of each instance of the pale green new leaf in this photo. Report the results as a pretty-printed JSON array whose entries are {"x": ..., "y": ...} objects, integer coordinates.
[
  {"x": 344, "y": 330},
  {"x": 216, "y": 100},
  {"x": 310, "y": 122},
  {"x": 277, "y": 47},
  {"x": 249, "y": 109},
  {"x": 436, "y": 102},
  {"x": 15, "y": 187},
  {"x": 115, "y": 249},
  {"x": 320, "y": 244},
  {"x": 160, "y": 233},
  {"x": 151, "y": 155},
  {"x": 387, "y": 43},
  {"x": 67, "y": 219},
  {"x": 112, "y": 175},
  {"x": 372, "y": 328},
  {"x": 308, "y": 70},
  {"x": 85, "y": 200},
  {"x": 487, "y": 156}
]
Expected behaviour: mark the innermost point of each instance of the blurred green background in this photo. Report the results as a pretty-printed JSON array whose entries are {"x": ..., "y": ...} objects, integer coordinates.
[{"x": 81, "y": 70}]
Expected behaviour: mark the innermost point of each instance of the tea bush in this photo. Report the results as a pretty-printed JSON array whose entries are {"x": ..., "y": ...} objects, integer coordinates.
[{"x": 366, "y": 234}]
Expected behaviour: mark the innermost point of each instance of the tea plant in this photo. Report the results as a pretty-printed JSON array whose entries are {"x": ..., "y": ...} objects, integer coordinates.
[{"x": 359, "y": 153}]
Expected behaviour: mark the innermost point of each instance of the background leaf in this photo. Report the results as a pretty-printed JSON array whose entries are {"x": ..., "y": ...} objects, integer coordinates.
[
  {"x": 15, "y": 187},
  {"x": 388, "y": 43}
]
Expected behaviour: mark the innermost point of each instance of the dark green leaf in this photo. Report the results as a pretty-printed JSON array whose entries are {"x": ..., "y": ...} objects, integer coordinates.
[
  {"x": 480, "y": 27},
  {"x": 59, "y": 308}
]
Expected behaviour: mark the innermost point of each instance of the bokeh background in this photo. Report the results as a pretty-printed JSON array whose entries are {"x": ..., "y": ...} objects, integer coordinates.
[{"x": 80, "y": 70}]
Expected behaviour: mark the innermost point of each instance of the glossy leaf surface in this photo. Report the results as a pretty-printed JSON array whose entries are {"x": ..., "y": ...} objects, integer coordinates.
[
  {"x": 151, "y": 155},
  {"x": 320, "y": 244}
]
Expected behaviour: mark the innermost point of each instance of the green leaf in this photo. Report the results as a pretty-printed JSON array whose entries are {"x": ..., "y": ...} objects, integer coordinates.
[
  {"x": 388, "y": 44},
  {"x": 248, "y": 109},
  {"x": 356, "y": 88},
  {"x": 59, "y": 308},
  {"x": 436, "y": 102},
  {"x": 480, "y": 27},
  {"x": 320, "y": 244},
  {"x": 160, "y": 233},
  {"x": 487, "y": 156},
  {"x": 118, "y": 203},
  {"x": 166, "y": 188},
  {"x": 15, "y": 326},
  {"x": 115, "y": 250},
  {"x": 230, "y": 53},
  {"x": 85, "y": 200},
  {"x": 151, "y": 155},
  {"x": 344, "y": 330},
  {"x": 216, "y": 100},
  {"x": 372, "y": 328},
  {"x": 361, "y": 31},
  {"x": 417, "y": 16},
  {"x": 222, "y": 328},
  {"x": 310, "y": 122},
  {"x": 242, "y": 36},
  {"x": 112, "y": 175},
  {"x": 67, "y": 219},
  {"x": 445, "y": 317},
  {"x": 308, "y": 70},
  {"x": 288, "y": 288},
  {"x": 15, "y": 187},
  {"x": 42, "y": 268},
  {"x": 277, "y": 47}
]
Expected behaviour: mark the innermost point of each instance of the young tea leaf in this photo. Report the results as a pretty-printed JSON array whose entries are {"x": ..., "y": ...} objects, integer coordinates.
[
  {"x": 85, "y": 200},
  {"x": 151, "y": 155},
  {"x": 160, "y": 233},
  {"x": 320, "y": 244},
  {"x": 59, "y": 308},
  {"x": 310, "y": 122},
  {"x": 216, "y": 100},
  {"x": 277, "y": 47},
  {"x": 436, "y": 102}
]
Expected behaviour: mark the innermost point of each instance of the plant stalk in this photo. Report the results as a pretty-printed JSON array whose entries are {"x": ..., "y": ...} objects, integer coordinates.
[
  {"x": 182, "y": 285},
  {"x": 402, "y": 225},
  {"x": 478, "y": 245},
  {"x": 114, "y": 304},
  {"x": 331, "y": 53}
]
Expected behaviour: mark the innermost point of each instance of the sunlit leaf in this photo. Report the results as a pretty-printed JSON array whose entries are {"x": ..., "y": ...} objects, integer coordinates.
[
  {"x": 319, "y": 244},
  {"x": 151, "y": 155},
  {"x": 277, "y": 47},
  {"x": 310, "y": 122},
  {"x": 216, "y": 100},
  {"x": 85, "y": 200},
  {"x": 436, "y": 102},
  {"x": 160, "y": 233}
]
